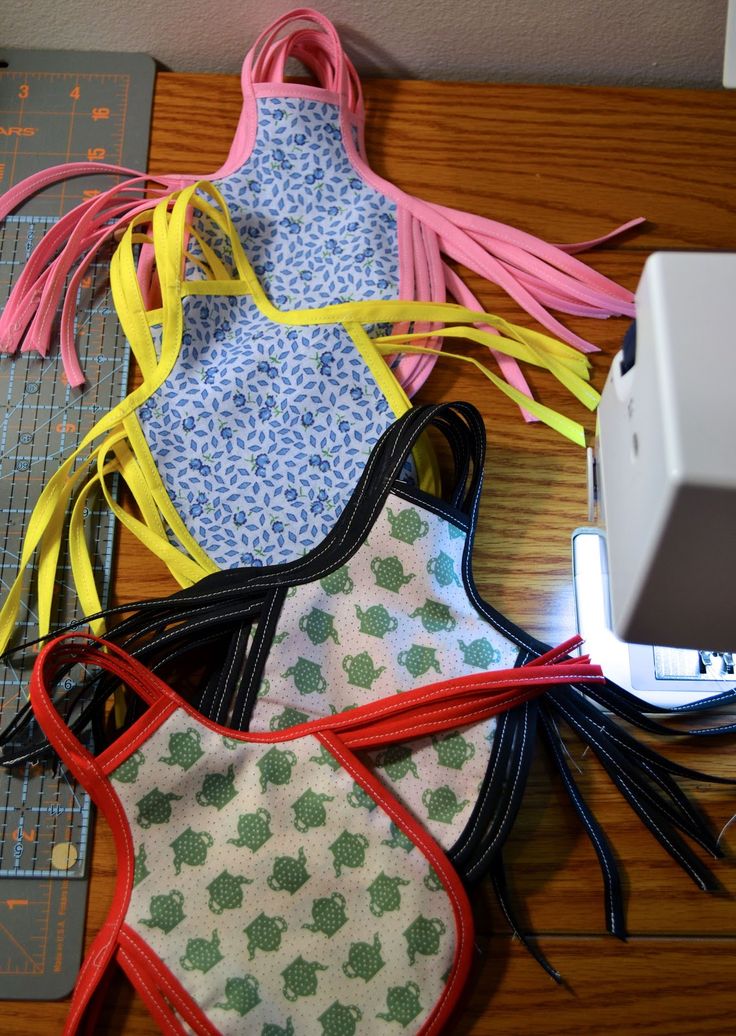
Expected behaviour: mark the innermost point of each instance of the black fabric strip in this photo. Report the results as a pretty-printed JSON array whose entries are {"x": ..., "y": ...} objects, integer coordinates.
[
  {"x": 414, "y": 495},
  {"x": 497, "y": 875},
  {"x": 257, "y": 658},
  {"x": 630, "y": 708},
  {"x": 655, "y": 818},
  {"x": 638, "y": 749},
  {"x": 510, "y": 799},
  {"x": 223, "y": 599},
  {"x": 641, "y": 778},
  {"x": 613, "y": 898},
  {"x": 496, "y": 777}
]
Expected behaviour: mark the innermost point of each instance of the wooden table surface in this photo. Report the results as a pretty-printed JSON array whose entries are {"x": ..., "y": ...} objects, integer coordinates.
[{"x": 566, "y": 163}]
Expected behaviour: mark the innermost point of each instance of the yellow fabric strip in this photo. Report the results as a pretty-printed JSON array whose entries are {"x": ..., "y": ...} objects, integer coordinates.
[
  {"x": 576, "y": 382},
  {"x": 168, "y": 512},
  {"x": 564, "y": 425},
  {"x": 167, "y": 225}
]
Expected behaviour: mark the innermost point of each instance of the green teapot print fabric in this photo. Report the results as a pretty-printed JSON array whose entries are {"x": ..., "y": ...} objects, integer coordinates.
[
  {"x": 395, "y": 617},
  {"x": 277, "y": 904}
]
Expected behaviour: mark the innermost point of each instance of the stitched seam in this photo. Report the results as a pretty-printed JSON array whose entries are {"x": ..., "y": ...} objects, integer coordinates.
[
  {"x": 263, "y": 646},
  {"x": 142, "y": 733},
  {"x": 466, "y": 719},
  {"x": 483, "y": 799},
  {"x": 684, "y": 863},
  {"x": 592, "y": 833},
  {"x": 489, "y": 848},
  {"x": 429, "y": 853},
  {"x": 160, "y": 970},
  {"x": 231, "y": 667},
  {"x": 171, "y": 1027}
]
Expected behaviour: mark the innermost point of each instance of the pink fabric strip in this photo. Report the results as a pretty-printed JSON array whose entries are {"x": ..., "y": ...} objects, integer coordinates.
[
  {"x": 19, "y": 193},
  {"x": 428, "y": 288},
  {"x": 555, "y": 255},
  {"x": 507, "y": 364},
  {"x": 517, "y": 258},
  {"x": 536, "y": 274}
]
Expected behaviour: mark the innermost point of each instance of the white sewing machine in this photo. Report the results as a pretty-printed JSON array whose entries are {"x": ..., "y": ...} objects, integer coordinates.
[{"x": 662, "y": 484}]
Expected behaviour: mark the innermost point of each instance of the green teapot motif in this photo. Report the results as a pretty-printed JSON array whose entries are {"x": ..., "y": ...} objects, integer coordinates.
[
  {"x": 166, "y": 912},
  {"x": 443, "y": 569},
  {"x": 338, "y": 582},
  {"x": 276, "y": 766},
  {"x": 264, "y": 933},
  {"x": 348, "y": 850},
  {"x": 398, "y": 839},
  {"x": 340, "y": 1019},
  {"x": 253, "y": 830},
  {"x": 269, "y": 1029},
  {"x": 263, "y": 688},
  {"x": 384, "y": 894},
  {"x": 418, "y": 660},
  {"x": 290, "y": 717},
  {"x": 140, "y": 871},
  {"x": 360, "y": 799},
  {"x": 328, "y": 915},
  {"x": 241, "y": 995},
  {"x": 289, "y": 873},
  {"x": 308, "y": 678},
  {"x": 397, "y": 761},
  {"x": 453, "y": 750},
  {"x": 300, "y": 978},
  {"x": 318, "y": 626},
  {"x": 325, "y": 758},
  {"x": 407, "y": 526},
  {"x": 155, "y": 807},
  {"x": 432, "y": 881},
  {"x": 480, "y": 653},
  {"x": 364, "y": 960},
  {"x": 191, "y": 847},
  {"x": 361, "y": 671},
  {"x": 435, "y": 617},
  {"x": 202, "y": 954},
  {"x": 217, "y": 789},
  {"x": 376, "y": 621},
  {"x": 309, "y": 810},
  {"x": 185, "y": 749},
  {"x": 402, "y": 1004},
  {"x": 127, "y": 772},
  {"x": 442, "y": 805},
  {"x": 226, "y": 892},
  {"x": 389, "y": 574},
  {"x": 423, "y": 936}
]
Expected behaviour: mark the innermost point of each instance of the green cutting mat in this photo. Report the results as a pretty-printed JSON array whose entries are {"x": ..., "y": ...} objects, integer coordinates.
[{"x": 55, "y": 107}]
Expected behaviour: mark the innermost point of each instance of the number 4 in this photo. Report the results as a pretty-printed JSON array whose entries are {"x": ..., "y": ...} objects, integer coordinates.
[{"x": 75, "y": 92}]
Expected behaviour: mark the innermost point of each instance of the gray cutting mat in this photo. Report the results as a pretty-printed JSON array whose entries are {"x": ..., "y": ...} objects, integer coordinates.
[{"x": 54, "y": 107}]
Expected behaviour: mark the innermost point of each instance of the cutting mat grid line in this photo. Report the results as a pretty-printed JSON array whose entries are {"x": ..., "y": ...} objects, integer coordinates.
[
  {"x": 52, "y": 118},
  {"x": 47, "y": 815},
  {"x": 55, "y": 106}
]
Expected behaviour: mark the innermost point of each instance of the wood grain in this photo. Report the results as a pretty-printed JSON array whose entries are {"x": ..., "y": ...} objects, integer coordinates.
[{"x": 567, "y": 163}]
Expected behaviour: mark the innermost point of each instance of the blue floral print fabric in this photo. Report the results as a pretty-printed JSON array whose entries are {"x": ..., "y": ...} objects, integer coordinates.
[
  {"x": 261, "y": 431},
  {"x": 314, "y": 231}
]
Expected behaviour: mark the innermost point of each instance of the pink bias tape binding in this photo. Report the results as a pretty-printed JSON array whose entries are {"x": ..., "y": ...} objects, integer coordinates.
[{"x": 539, "y": 276}]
